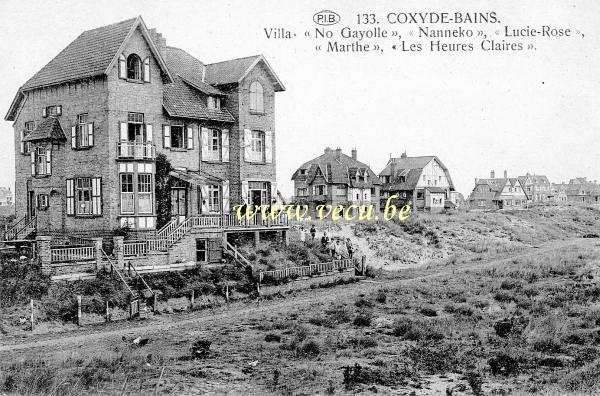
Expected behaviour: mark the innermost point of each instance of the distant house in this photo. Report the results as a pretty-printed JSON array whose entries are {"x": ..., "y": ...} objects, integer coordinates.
[
  {"x": 336, "y": 178},
  {"x": 422, "y": 182},
  {"x": 581, "y": 190},
  {"x": 537, "y": 187},
  {"x": 498, "y": 193},
  {"x": 559, "y": 192},
  {"x": 6, "y": 197}
]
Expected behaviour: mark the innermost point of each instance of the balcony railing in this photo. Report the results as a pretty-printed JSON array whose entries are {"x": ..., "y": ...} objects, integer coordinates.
[{"x": 132, "y": 150}]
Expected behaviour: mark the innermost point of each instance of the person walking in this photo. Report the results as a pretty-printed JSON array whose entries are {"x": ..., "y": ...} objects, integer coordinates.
[
  {"x": 324, "y": 240},
  {"x": 349, "y": 247},
  {"x": 313, "y": 232}
]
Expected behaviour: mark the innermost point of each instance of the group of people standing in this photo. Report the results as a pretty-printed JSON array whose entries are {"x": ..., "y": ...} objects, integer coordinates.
[{"x": 337, "y": 247}]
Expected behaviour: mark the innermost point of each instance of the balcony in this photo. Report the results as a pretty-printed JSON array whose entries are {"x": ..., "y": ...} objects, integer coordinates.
[{"x": 136, "y": 151}]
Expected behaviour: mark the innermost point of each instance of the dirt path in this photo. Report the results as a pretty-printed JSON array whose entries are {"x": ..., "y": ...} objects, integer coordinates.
[{"x": 237, "y": 313}]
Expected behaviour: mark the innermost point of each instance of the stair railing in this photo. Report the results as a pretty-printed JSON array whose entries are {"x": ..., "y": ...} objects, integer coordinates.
[{"x": 114, "y": 268}]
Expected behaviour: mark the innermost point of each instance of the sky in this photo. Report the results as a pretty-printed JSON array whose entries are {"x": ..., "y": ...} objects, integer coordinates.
[{"x": 529, "y": 111}]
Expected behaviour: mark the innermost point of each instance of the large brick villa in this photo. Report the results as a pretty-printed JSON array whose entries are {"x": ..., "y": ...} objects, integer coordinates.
[{"x": 89, "y": 125}]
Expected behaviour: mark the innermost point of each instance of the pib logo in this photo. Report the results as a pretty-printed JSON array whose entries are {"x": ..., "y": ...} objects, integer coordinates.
[{"x": 326, "y": 18}]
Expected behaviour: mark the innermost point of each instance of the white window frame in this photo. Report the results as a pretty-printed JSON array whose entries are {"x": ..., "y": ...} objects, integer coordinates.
[
  {"x": 257, "y": 99},
  {"x": 145, "y": 193}
]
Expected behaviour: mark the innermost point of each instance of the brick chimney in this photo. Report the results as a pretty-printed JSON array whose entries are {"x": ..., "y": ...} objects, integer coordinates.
[
  {"x": 492, "y": 174},
  {"x": 327, "y": 150},
  {"x": 159, "y": 41},
  {"x": 338, "y": 153},
  {"x": 354, "y": 154},
  {"x": 505, "y": 174}
]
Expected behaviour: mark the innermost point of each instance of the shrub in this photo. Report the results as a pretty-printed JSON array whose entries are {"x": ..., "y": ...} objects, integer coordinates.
[
  {"x": 503, "y": 365},
  {"x": 272, "y": 337},
  {"x": 309, "y": 348},
  {"x": 362, "y": 319},
  {"x": 363, "y": 303},
  {"x": 504, "y": 296},
  {"x": 415, "y": 330},
  {"x": 428, "y": 312},
  {"x": 381, "y": 296},
  {"x": 339, "y": 314}
]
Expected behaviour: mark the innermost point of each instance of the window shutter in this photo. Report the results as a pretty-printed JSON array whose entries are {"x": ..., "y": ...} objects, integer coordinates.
[
  {"x": 59, "y": 110},
  {"x": 190, "y": 137},
  {"x": 37, "y": 201},
  {"x": 70, "y": 197},
  {"x": 22, "y": 142},
  {"x": 166, "y": 136},
  {"x": 149, "y": 133},
  {"x": 247, "y": 145},
  {"x": 44, "y": 112},
  {"x": 204, "y": 197},
  {"x": 225, "y": 145},
  {"x": 268, "y": 147},
  {"x": 48, "y": 161},
  {"x": 73, "y": 137},
  {"x": 204, "y": 143},
  {"x": 32, "y": 155},
  {"x": 225, "y": 196},
  {"x": 123, "y": 131},
  {"x": 122, "y": 66},
  {"x": 245, "y": 192},
  {"x": 147, "y": 70},
  {"x": 96, "y": 195},
  {"x": 90, "y": 132},
  {"x": 274, "y": 200}
]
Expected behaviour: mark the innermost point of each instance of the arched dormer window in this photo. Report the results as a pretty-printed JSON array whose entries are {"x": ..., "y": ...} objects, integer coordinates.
[
  {"x": 256, "y": 97},
  {"x": 134, "y": 67}
]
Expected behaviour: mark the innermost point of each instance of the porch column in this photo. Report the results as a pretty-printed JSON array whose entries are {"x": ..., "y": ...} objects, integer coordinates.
[
  {"x": 98, "y": 252},
  {"x": 118, "y": 251},
  {"x": 43, "y": 246},
  {"x": 256, "y": 238}
]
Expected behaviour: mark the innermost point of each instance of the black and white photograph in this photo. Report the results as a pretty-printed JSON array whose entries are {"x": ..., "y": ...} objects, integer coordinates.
[{"x": 320, "y": 197}]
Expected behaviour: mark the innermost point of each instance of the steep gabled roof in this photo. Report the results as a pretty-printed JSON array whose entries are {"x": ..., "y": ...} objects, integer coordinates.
[
  {"x": 190, "y": 70},
  {"x": 49, "y": 129},
  {"x": 337, "y": 168},
  {"x": 182, "y": 100},
  {"x": 93, "y": 53},
  {"x": 235, "y": 70},
  {"x": 411, "y": 168}
]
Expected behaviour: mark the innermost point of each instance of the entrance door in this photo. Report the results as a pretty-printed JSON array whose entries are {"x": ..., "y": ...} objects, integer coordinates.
[
  {"x": 179, "y": 203},
  {"x": 30, "y": 204}
]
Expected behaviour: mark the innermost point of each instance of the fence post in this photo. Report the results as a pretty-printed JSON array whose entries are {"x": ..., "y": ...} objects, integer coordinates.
[
  {"x": 44, "y": 253},
  {"x": 107, "y": 314},
  {"x": 154, "y": 303},
  {"x": 78, "y": 310},
  {"x": 363, "y": 264},
  {"x": 98, "y": 252},
  {"x": 32, "y": 314},
  {"x": 118, "y": 251},
  {"x": 192, "y": 299},
  {"x": 227, "y": 293}
]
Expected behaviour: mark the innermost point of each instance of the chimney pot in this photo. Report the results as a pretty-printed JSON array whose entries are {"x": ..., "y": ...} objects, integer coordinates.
[
  {"x": 354, "y": 154},
  {"x": 505, "y": 174},
  {"x": 338, "y": 152},
  {"x": 492, "y": 174},
  {"x": 327, "y": 150}
]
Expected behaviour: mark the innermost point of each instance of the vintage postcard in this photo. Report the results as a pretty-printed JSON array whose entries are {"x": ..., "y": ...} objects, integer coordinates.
[{"x": 321, "y": 197}]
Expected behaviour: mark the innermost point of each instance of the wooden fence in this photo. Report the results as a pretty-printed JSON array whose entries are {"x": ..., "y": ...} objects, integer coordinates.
[
  {"x": 72, "y": 253},
  {"x": 309, "y": 270}
]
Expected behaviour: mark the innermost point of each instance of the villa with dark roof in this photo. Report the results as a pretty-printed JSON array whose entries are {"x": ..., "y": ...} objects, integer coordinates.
[
  {"x": 422, "y": 182},
  {"x": 337, "y": 179},
  {"x": 89, "y": 126},
  {"x": 498, "y": 193}
]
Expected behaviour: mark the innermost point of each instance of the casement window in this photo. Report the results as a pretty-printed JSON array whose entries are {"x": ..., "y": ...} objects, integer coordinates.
[
  {"x": 258, "y": 146},
  {"x": 302, "y": 192},
  {"x": 134, "y": 67},
  {"x": 135, "y": 128},
  {"x": 144, "y": 193},
  {"x": 52, "y": 111},
  {"x": 256, "y": 97},
  {"x": 341, "y": 190},
  {"x": 214, "y": 102},
  {"x": 127, "y": 194},
  {"x": 41, "y": 162},
  {"x": 84, "y": 196},
  {"x": 419, "y": 195},
  {"x": 28, "y": 129},
  {"x": 178, "y": 136},
  {"x": 214, "y": 199},
  {"x": 303, "y": 171},
  {"x": 82, "y": 134},
  {"x": 42, "y": 201},
  {"x": 201, "y": 250},
  {"x": 214, "y": 144},
  {"x": 320, "y": 190}
]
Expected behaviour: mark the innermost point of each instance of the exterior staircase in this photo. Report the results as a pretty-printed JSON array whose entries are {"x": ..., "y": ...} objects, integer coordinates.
[{"x": 21, "y": 229}]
